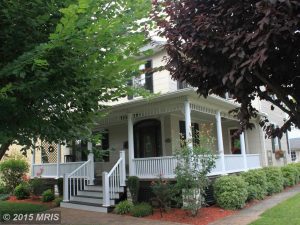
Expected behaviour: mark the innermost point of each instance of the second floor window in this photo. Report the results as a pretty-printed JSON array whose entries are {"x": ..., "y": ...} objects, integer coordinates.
[{"x": 145, "y": 80}]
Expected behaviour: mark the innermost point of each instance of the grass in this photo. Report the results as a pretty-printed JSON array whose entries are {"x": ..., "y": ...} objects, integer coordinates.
[
  {"x": 286, "y": 213},
  {"x": 17, "y": 207}
]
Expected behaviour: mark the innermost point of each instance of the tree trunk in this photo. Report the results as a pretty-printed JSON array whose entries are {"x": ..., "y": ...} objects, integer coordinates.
[{"x": 4, "y": 147}]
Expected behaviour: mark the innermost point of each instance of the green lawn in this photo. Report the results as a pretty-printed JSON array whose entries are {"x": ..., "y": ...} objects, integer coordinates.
[
  {"x": 16, "y": 207},
  {"x": 285, "y": 213}
]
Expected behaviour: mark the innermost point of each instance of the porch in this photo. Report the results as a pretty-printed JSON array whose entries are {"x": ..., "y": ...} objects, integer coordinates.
[{"x": 149, "y": 133}]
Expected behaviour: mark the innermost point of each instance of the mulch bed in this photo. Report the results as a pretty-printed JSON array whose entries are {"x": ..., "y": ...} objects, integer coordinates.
[
  {"x": 33, "y": 200},
  {"x": 205, "y": 216}
]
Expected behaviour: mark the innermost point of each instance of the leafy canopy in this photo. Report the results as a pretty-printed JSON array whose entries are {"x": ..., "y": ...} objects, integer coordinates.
[
  {"x": 249, "y": 48},
  {"x": 60, "y": 61}
]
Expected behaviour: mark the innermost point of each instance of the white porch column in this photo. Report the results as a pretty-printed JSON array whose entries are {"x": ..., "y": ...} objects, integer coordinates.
[
  {"x": 58, "y": 160},
  {"x": 220, "y": 140},
  {"x": 130, "y": 144},
  {"x": 163, "y": 136},
  {"x": 92, "y": 165},
  {"x": 243, "y": 150},
  {"x": 123, "y": 169},
  {"x": 32, "y": 161},
  {"x": 188, "y": 124}
]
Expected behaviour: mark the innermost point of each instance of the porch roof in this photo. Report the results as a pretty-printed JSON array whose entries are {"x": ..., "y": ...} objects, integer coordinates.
[
  {"x": 167, "y": 103},
  {"x": 186, "y": 92}
]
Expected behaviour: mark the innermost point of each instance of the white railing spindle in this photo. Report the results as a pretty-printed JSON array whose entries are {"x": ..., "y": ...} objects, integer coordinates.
[{"x": 114, "y": 180}]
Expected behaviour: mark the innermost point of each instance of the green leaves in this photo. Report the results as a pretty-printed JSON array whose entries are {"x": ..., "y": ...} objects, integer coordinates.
[
  {"x": 214, "y": 45},
  {"x": 59, "y": 61}
]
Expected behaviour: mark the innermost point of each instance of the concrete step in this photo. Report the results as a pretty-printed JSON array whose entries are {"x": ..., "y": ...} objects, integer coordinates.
[
  {"x": 86, "y": 206},
  {"x": 87, "y": 199},
  {"x": 95, "y": 194}
]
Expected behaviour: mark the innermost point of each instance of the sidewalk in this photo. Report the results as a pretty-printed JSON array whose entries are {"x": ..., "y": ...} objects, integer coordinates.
[
  {"x": 248, "y": 215},
  {"x": 75, "y": 216}
]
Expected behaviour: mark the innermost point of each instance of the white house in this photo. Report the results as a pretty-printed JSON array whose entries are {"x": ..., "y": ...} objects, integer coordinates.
[{"x": 143, "y": 134}]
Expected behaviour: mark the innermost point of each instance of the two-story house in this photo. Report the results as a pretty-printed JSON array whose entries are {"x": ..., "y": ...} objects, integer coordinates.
[{"x": 147, "y": 131}]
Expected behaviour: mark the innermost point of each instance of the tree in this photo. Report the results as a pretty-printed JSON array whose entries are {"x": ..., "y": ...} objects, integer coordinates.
[
  {"x": 60, "y": 61},
  {"x": 250, "y": 49}
]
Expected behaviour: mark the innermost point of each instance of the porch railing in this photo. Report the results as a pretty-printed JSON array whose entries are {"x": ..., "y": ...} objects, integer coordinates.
[
  {"x": 153, "y": 167},
  {"x": 49, "y": 170},
  {"x": 114, "y": 180},
  {"x": 234, "y": 163},
  {"x": 75, "y": 181},
  {"x": 253, "y": 161},
  {"x": 148, "y": 168}
]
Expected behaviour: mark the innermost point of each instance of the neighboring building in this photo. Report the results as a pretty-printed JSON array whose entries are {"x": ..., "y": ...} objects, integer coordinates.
[
  {"x": 294, "y": 142},
  {"x": 148, "y": 132}
]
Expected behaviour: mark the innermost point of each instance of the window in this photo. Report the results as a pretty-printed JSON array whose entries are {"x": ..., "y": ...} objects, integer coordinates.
[
  {"x": 293, "y": 156},
  {"x": 145, "y": 80},
  {"x": 235, "y": 142},
  {"x": 182, "y": 85},
  {"x": 195, "y": 132}
]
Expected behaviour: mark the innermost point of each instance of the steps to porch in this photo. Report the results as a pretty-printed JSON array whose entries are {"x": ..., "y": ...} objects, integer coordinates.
[
  {"x": 91, "y": 199},
  {"x": 83, "y": 191}
]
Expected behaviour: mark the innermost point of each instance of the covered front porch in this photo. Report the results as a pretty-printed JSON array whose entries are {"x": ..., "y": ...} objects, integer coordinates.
[{"x": 149, "y": 132}]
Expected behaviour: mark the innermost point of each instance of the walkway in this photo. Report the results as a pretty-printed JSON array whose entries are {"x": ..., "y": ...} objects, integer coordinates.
[
  {"x": 248, "y": 215},
  {"x": 75, "y": 216}
]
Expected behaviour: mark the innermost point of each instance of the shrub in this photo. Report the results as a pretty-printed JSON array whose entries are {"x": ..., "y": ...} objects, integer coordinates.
[
  {"x": 3, "y": 189},
  {"x": 37, "y": 186},
  {"x": 230, "y": 192},
  {"x": 13, "y": 170},
  {"x": 4, "y": 197},
  {"x": 290, "y": 175},
  {"x": 57, "y": 201},
  {"x": 123, "y": 207},
  {"x": 163, "y": 191},
  {"x": 22, "y": 191},
  {"x": 141, "y": 210},
  {"x": 133, "y": 184},
  {"x": 60, "y": 186},
  {"x": 296, "y": 166},
  {"x": 257, "y": 183},
  {"x": 274, "y": 180},
  {"x": 192, "y": 170},
  {"x": 48, "y": 196}
]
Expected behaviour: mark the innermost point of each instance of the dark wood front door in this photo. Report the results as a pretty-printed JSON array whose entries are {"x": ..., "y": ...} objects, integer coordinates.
[{"x": 147, "y": 139}]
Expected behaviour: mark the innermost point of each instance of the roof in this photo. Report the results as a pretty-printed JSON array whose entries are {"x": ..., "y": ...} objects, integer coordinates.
[{"x": 295, "y": 143}]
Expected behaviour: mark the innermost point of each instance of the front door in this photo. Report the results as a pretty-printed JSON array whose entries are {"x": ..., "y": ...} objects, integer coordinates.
[{"x": 147, "y": 139}]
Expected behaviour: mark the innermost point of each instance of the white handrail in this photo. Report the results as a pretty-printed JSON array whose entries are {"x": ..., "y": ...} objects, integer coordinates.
[
  {"x": 76, "y": 180},
  {"x": 83, "y": 165},
  {"x": 114, "y": 180}
]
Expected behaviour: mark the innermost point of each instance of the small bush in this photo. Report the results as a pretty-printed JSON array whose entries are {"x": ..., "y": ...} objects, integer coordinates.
[
  {"x": 57, "y": 201},
  {"x": 3, "y": 189},
  {"x": 22, "y": 191},
  {"x": 123, "y": 207},
  {"x": 133, "y": 184},
  {"x": 257, "y": 183},
  {"x": 274, "y": 180},
  {"x": 37, "y": 186},
  {"x": 12, "y": 171},
  {"x": 230, "y": 192},
  {"x": 48, "y": 196},
  {"x": 60, "y": 186},
  {"x": 4, "y": 197},
  {"x": 290, "y": 175},
  {"x": 141, "y": 210},
  {"x": 297, "y": 165}
]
